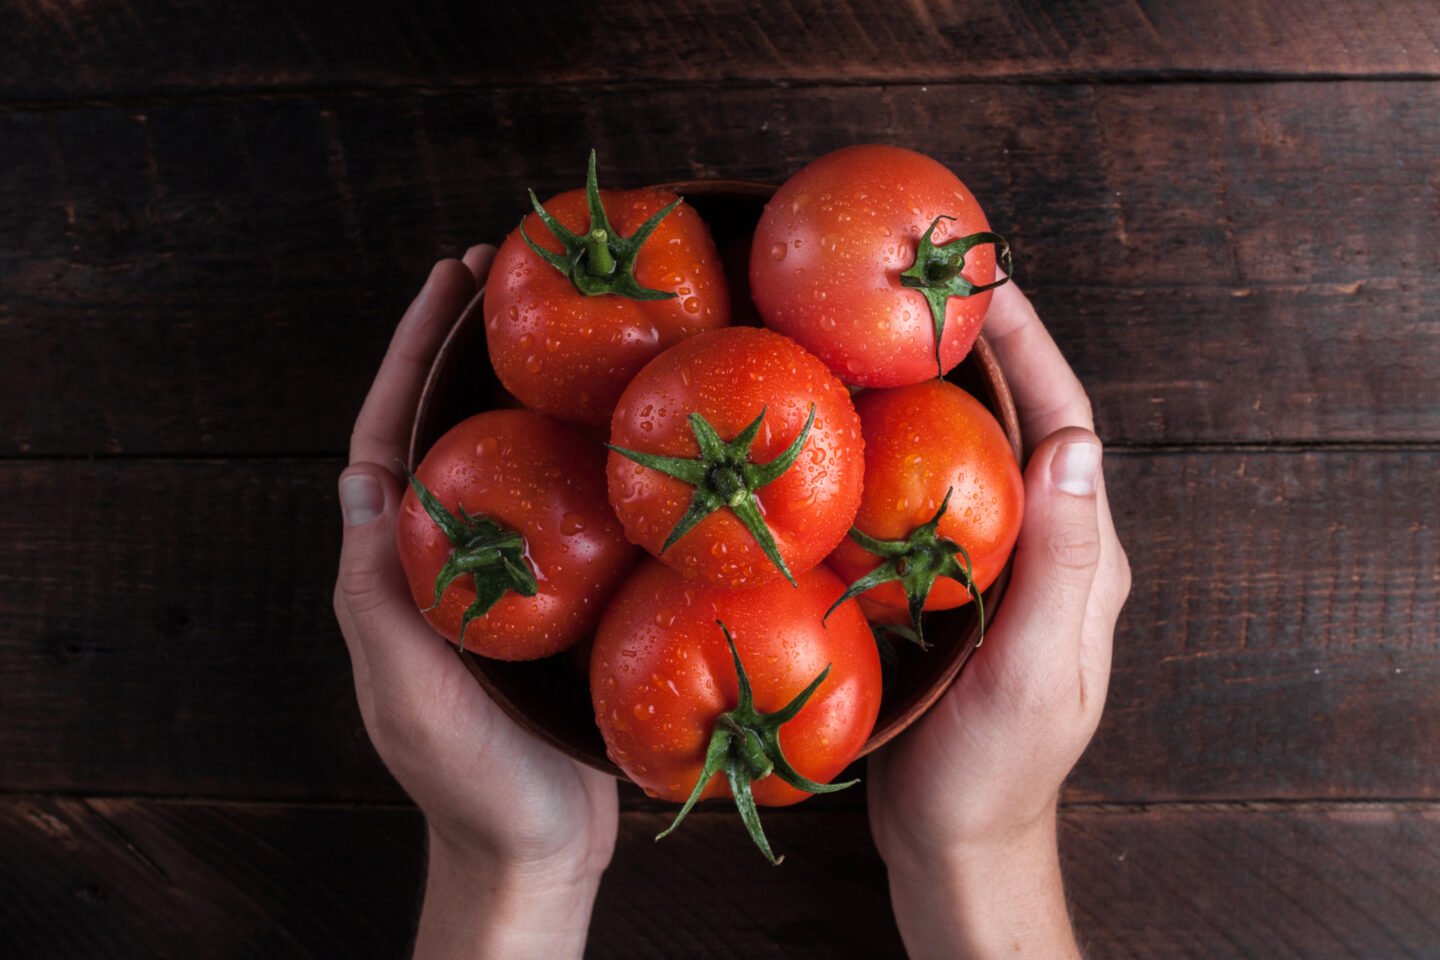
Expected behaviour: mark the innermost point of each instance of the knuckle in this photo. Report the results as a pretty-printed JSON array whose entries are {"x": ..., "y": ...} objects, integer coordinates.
[
  {"x": 1075, "y": 551},
  {"x": 361, "y": 588}
]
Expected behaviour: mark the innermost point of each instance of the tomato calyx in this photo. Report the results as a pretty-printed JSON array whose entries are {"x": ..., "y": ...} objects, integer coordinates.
[
  {"x": 936, "y": 273},
  {"x": 492, "y": 555},
  {"x": 745, "y": 746},
  {"x": 916, "y": 562},
  {"x": 724, "y": 476},
  {"x": 600, "y": 261}
]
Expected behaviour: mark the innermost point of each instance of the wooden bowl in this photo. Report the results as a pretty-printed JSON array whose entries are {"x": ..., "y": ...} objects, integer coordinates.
[{"x": 550, "y": 697}]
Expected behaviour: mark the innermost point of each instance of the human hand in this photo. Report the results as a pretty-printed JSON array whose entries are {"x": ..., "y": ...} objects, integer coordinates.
[
  {"x": 963, "y": 806},
  {"x": 519, "y": 833}
]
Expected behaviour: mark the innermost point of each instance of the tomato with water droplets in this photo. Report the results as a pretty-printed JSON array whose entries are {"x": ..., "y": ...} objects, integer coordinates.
[
  {"x": 664, "y": 680},
  {"x": 736, "y": 457},
  {"x": 865, "y": 254},
  {"x": 571, "y": 317},
  {"x": 931, "y": 451},
  {"x": 505, "y": 534}
]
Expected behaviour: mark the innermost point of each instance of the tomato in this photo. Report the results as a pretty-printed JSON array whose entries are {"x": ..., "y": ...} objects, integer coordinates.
[
  {"x": 931, "y": 449},
  {"x": 831, "y": 250},
  {"x": 505, "y": 535},
  {"x": 774, "y": 485},
  {"x": 662, "y": 676},
  {"x": 567, "y": 330}
]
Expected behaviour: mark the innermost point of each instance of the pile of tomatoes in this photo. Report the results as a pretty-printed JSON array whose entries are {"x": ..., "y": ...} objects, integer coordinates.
[{"x": 713, "y": 502}]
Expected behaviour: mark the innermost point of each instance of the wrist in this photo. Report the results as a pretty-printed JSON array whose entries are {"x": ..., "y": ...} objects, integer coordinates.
[
  {"x": 479, "y": 904},
  {"x": 997, "y": 895}
]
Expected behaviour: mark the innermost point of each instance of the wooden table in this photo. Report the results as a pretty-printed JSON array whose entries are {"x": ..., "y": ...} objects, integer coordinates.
[{"x": 213, "y": 214}]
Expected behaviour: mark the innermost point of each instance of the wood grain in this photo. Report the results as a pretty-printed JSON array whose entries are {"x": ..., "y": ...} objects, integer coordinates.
[
  {"x": 180, "y": 48},
  {"x": 100, "y": 878},
  {"x": 221, "y": 278},
  {"x": 170, "y": 630}
]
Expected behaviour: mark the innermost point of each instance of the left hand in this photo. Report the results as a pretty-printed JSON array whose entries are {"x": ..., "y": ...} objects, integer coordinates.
[{"x": 519, "y": 833}]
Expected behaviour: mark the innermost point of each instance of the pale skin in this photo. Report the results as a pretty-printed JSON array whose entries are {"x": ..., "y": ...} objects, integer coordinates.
[{"x": 963, "y": 806}]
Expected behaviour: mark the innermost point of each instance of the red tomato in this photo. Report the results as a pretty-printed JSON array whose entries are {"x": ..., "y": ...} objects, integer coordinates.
[
  {"x": 661, "y": 674},
  {"x": 725, "y": 499},
  {"x": 569, "y": 354},
  {"x": 829, "y": 252},
  {"x": 923, "y": 443},
  {"x": 524, "y": 513}
]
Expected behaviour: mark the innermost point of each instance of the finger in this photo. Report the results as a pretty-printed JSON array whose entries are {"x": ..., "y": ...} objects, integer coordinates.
[
  {"x": 478, "y": 258},
  {"x": 382, "y": 430},
  {"x": 1048, "y": 395},
  {"x": 1038, "y": 631},
  {"x": 1111, "y": 588},
  {"x": 371, "y": 593}
]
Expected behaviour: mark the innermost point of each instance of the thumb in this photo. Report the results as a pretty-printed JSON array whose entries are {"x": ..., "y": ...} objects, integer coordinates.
[
  {"x": 372, "y": 598},
  {"x": 1056, "y": 557}
]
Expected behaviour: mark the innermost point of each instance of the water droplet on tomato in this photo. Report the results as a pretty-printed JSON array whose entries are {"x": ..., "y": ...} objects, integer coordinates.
[
  {"x": 551, "y": 344},
  {"x": 526, "y": 340},
  {"x": 486, "y": 447},
  {"x": 571, "y": 524},
  {"x": 691, "y": 305},
  {"x": 778, "y": 251},
  {"x": 533, "y": 363},
  {"x": 514, "y": 312}
]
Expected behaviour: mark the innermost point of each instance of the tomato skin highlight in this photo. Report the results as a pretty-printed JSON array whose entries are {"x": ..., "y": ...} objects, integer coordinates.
[
  {"x": 544, "y": 480},
  {"x": 920, "y": 441},
  {"x": 661, "y": 673},
  {"x": 829, "y": 250},
  {"x": 569, "y": 355},
  {"x": 728, "y": 376}
]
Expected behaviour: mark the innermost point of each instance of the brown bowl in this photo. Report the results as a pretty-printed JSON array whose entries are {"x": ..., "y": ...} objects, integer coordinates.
[{"x": 550, "y": 697}]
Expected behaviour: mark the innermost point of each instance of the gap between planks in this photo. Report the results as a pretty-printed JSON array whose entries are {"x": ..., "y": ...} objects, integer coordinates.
[
  {"x": 643, "y": 805},
  {"x": 320, "y": 91},
  {"x": 1427, "y": 446}
]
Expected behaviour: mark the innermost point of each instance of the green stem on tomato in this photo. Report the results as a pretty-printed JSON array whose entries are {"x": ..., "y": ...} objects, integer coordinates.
[
  {"x": 916, "y": 562},
  {"x": 937, "y": 274},
  {"x": 600, "y": 261},
  {"x": 745, "y": 746},
  {"x": 724, "y": 476},
  {"x": 492, "y": 555}
]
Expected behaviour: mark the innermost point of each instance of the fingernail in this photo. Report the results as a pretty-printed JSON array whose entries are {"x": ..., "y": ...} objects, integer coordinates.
[
  {"x": 361, "y": 499},
  {"x": 1074, "y": 467}
]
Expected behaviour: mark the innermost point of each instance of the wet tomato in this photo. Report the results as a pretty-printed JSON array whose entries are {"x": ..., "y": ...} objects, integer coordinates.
[
  {"x": 736, "y": 458},
  {"x": 505, "y": 535},
  {"x": 703, "y": 691},
  {"x": 591, "y": 287},
  {"x": 879, "y": 261},
  {"x": 943, "y": 500}
]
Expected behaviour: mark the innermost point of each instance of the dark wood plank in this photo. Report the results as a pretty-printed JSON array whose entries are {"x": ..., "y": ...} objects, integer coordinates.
[
  {"x": 1281, "y": 639},
  {"x": 1222, "y": 262},
  {"x": 124, "y": 878},
  {"x": 177, "y": 48},
  {"x": 169, "y": 631}
]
